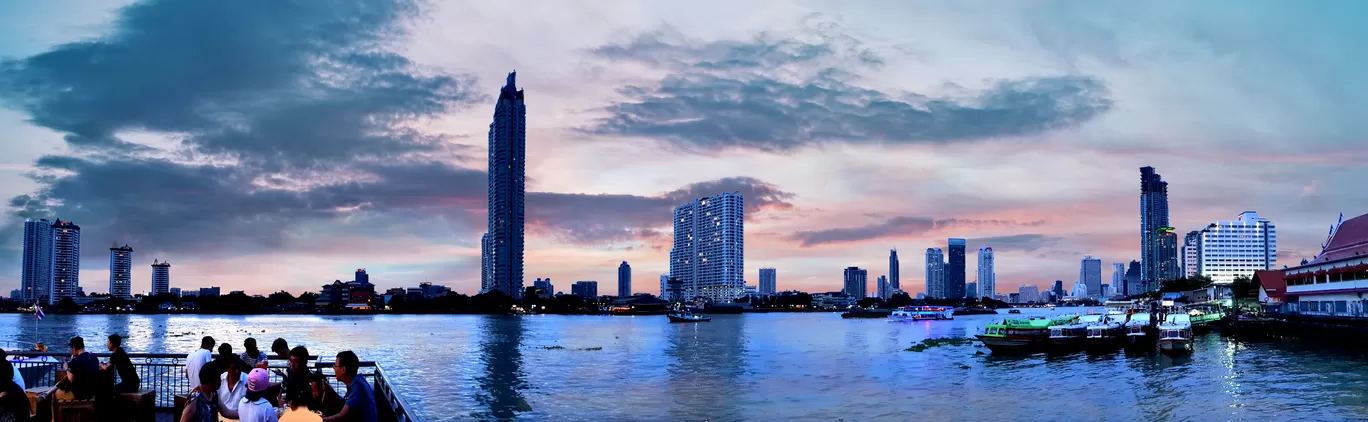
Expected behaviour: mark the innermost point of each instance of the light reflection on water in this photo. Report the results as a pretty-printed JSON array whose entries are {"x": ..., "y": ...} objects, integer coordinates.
[{"x": 764, "y": 367}]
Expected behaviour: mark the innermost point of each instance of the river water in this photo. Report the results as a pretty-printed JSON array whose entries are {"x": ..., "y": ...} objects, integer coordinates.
[{"x": 764, "y": 367}]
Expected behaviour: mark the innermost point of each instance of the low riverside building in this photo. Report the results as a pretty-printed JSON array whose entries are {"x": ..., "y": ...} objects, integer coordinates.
[
  {"x": 1333, "y": 283},
  {"x": 832, "y": 300}
]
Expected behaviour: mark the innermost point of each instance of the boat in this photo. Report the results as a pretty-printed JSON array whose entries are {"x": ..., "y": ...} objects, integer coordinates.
[
  {"x": 1108, "y": 332},
  {"x": 1175, "y": 334},
  {"x": 686, "y": 315},
  {"x": 1014, "y": 311},
  {"x": 1074, "y": 333},
  {"x": 1138, "y": 329},
  {"x": 865, "y": 313},
  {"x": 921, "y": 313},
  {"x": 1203, "y": 317},
  {"x": 1021, "y": 334}
]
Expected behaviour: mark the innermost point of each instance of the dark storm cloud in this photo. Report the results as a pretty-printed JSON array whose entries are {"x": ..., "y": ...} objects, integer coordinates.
[
  {"x": 898, "y": 227},
  {"x": 264, "y": 80},
  {"x": 305, "y": 99},
  {"x": 744, "y": 94},
  {"x": 597, "y": 219}
]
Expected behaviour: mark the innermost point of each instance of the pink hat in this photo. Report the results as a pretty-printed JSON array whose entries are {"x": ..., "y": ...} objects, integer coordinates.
[{"x": 258, "y": 380}]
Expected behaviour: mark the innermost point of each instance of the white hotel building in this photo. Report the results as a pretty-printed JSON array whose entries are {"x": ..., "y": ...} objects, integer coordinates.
[
  {"x": 1227, "y": 249},
  {"x": 709, "y": 244}
]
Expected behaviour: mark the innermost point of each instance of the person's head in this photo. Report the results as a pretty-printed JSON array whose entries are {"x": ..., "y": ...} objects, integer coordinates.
[
  {"x": 209, "y": 376},
  {"x": 234, "y": 367},
  {"x": 225, "y": 350},
  {"x": 207, "y": 343},
  {"x": 114, "y": 342},
  {"x": 346, "y": 366},
  {"x": 77, "y": 344},
  {"x": 257, "y": 382},
  {"x": 317, "y": 383},
  {"x": 280, "y": 348},
  {"x": 249, "y": 345},
  {"x": 299, "y": 359}
]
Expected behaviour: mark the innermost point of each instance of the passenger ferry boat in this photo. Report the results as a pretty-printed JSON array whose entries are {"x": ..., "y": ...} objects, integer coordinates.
[
  {"x": 1138, "y": 329},
  {"x": 1108, "y": 332},
  {"x": 1175, "y": 334},
  {"x": 1074, "y": 333},
  {"x": 685, "y": 315},
  {"x": 1021, "y": 334},
  {"x": 919, "y": 313},
  {"x": 1203, "y": 317}
]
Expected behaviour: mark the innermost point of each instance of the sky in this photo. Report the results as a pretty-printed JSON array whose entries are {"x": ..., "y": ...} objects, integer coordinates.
[{"x": 261, "y": 145}]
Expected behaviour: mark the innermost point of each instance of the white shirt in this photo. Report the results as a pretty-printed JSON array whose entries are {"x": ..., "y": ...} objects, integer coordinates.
[
  {"x": 228, "y": 399},
  {"x": 194, "y": 361},
  {"x": 256, "y": 411}
]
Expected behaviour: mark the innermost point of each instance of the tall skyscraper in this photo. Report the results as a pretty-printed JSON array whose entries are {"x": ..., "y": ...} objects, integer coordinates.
[
  {"x": 1168, "y": 255},
  {"x": 884, "y": 291},
  {"x": 665, "y": 287},
  {"x": 1058, "y": 289},
  {"x": 893, "y": 268},
  {"x": 66, "y": 260},
  {"x": 971, "y": 290},
  {"x": 856, "y": 282},
  {"x": 1090, "y": 273},
  {"x": 161, "y": 277},
  {"x": 1118, "y": 278},
  {"x": 935, "y": 273},
  {"x": 507, "y": 186},
  {"x": 1229, "y": 249},
  {"x": 624, "y": 280},
  {"x": 37, "y": 272},
  {"x": 1154, "y": 214},
  {"x": 769, "y": 281},
  {"x": 954, "y": 269},
  {"x": 709, "y": 245},
  {"x": 121, "y": 271},
  {"x": 1133, "y": 282},
  {"x": 1192, "y": 253},
  {"x": 987, "y": 279}
]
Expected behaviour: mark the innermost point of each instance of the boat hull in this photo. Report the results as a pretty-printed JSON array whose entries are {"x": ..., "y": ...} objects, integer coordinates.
[
  {"x": 1172, "y": 345},
  {"x": 1068, "y": 343},
  {"x": 1013, "y": 344},
  {"x": 688, "y": 319}
]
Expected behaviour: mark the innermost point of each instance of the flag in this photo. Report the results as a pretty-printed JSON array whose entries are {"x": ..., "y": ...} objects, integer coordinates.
[{"x": 38, "y": 311}]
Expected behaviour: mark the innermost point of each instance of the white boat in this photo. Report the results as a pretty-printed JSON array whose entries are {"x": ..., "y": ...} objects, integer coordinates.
[
  {"x": 1137, "y": 328},
  {"x": 1107, "y": 331},
  {"x": 1175, "y": 334},
  {"x": 920, "y": 313},
  {"x": 685, "y": 315},
  {"x": 1074, "y": 334}
]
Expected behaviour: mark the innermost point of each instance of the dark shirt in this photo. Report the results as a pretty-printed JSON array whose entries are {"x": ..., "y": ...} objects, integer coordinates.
[
  {"x": 15, "y": 403},
  {"x": 128, "y": 376},
  {"x": 360, "y": 401},
  {"x": 85, "y": 374}
]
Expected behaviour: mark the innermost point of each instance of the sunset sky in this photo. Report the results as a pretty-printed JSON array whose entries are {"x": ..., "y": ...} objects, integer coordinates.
[{"x": 263, "y": 145}]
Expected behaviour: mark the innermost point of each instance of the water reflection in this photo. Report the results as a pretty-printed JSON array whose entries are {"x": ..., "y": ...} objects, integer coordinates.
[
  {"x": 704, "y": 377},
  {"x": 503, "y": 379}
]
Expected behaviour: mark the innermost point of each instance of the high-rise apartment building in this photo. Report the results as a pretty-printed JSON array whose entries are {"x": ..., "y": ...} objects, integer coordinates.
[
  {"x": 893, "y": 269},
  {"x": 1154, "y": 214},
  {"x": 37, "y": 272},
  {"x": 1229, "y": 249},
  {"x": 987, "y": 279},
  {"x": 1134, "y": 284},
  {"x": 585, "y": 289},
  {"x": 1191, "y": 253},
  {"x": 161, "y": 277},
  {"x": 1090, "y": 273},
  {"x": 624, "y": 280},
  {"x": 769, "y": 285},
  {"x": 121, "y": 271},
  {"x": 884, "y": 291},
  {"x": 544, "y": 287},
  {"x": 709, "y": 245},
  {"x": 1028, "y": 294},
  {"x": 665, "y": 287},
  {"x": 1168, "y": 268},
  {"x": 1118, "y": 277},
  {"x": 66, "y": 260},
  {"x": 1058, "y": 289},
  {"x": 954, "y": 269},
  {"x": 503, "y": 245},
  {"x": 856, "y": 282},
  {"x": 971, "y": 290},
  {"x": 935, "y": 273}
]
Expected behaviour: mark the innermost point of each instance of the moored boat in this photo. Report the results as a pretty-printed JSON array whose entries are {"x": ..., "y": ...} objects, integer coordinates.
[
  {"x": 1203, "y": 317},
  {"x": 1138, "y": 329},
  {"x": 920, "y": 313},
  {"x": 1074, "y": 333},
  {"x": 1014, "y": 311},
  {"x": 1021, "y": 334},
  {"x": 1175, "y": 334},
  {"x": 1107, "y": 332}
]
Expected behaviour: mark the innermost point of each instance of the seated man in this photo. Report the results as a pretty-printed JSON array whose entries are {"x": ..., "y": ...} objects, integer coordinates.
[
  {"x": 81, "y": 382},
  {"x": 359, "y": 405}
]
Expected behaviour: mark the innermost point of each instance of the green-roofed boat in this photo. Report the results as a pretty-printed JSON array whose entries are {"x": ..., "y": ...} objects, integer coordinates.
[{"x": 1021, "y": 334}]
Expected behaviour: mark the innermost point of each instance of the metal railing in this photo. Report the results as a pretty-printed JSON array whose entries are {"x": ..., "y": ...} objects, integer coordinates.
[{"x": 165, "y": 374}]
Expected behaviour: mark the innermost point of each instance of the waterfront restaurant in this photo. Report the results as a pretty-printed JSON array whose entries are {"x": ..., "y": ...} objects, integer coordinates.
[{"x": 1333, "y": 284}]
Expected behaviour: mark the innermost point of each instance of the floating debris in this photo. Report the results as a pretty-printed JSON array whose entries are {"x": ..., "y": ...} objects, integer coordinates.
[
  {"x": 935, "y": 342},
  {"x": 553, "y": 347},
  {"x": 591, "y": 348}
]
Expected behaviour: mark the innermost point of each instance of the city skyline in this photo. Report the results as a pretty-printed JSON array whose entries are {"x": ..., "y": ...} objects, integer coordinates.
[{"x": 393, "y": 177}]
